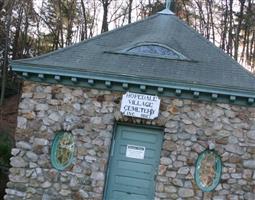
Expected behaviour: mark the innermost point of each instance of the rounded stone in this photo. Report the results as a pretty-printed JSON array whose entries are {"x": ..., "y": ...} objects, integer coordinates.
[
  {"x": 55, "y": 117},
  {"x": 249, "y": 164},
  {"x": 159, "y": 187},
  {"x": 97, "y": 176},
  {"x": 170, "y": 189},
  {"x": 21, "y": 122},
  {"x": 41, "y": 107},
  {"x": 184, "y": 170},
  {"x": 15, "y": 151},
  {"x": 77, "y": 106},
  {"x": 185, "y": 192},
  {"x": 162, "y": 169},
  {"x": 165, "y": 161},
  {"x": 251, "y": 134},
  {"x": 40, "y": 142},
  {"x": 83, "y": 194},
  {"x": 177, "y": 182},
  {"x": 171, "y": 124},
  {"x": 31, "y": 156},
  {"x": 24, "y": 145},
  {"x": 65, "y": 192},
  {"x": 171, "y": 174},
  {"x": 18, "y": 162},
  {"x": 46, "y": 184},
  {"x": 96, "y": 120},
  {"x": 15, "y": 192}
]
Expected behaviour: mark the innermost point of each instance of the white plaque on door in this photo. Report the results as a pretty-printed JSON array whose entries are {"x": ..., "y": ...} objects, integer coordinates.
[{"x": 134, "y": 151}]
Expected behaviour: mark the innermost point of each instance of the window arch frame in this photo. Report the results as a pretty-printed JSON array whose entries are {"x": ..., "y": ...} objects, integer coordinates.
[{"x": 179, "y": 56}]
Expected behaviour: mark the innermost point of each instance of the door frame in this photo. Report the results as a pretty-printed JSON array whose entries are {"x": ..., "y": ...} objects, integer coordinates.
[{"x": 116, "y": 124}]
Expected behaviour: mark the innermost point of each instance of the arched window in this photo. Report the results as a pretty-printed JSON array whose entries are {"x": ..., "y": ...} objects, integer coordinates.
[
  {"x": 62, "y": 150},
  {"x": 152, "y": 49},
  {"x": 208, "y": 170}
]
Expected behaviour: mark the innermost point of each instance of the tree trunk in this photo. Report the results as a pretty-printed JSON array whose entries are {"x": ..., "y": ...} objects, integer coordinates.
[
  {"x": 16, "y": 49},
  {"x": 230, "y": 34},
  {"x": 225, "y": 26},
  {"x": 208, "y": 22},
  {"x": 6, "y": 52},
  {"x": 202, "y": 22},
  {"x": 25, "y": 41},
  {"x": 186, "y": 12},
  {"x": 130, "y": 11},
  {"x": 245, "y": 39},
  {"x": 60, "y": 32},
  {"x": 105, "y": 3},
  {"x": 85, "y": 31},
  {"x": 238, "y": 29},
  {"x": 247, "y": 53},
  {"x": 252, "y": 50},
  {"x": 92, "y": 26},
  {"x": 212, "y": 19},
  {"x": 71, "y": 10}
]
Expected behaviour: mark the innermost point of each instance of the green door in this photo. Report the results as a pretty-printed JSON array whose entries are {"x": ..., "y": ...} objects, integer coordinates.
[{"x": 133, "y": 163}]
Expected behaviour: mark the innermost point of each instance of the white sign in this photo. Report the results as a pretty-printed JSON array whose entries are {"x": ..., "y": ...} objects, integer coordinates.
[
  {"x": 136, "y": 152},
  {"x": 140, "y": 105}
]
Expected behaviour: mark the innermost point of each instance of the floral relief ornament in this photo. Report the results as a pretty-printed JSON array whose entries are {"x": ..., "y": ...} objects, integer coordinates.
[
  {"x": 62, "y": 150},
  {"x": 208, "y": 170}
]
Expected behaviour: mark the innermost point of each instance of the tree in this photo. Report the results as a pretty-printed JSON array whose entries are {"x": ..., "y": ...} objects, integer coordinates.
[
  {"x": 240, "y": 18},
  {"x": 130, "y": 11},
  {"x": 7, "y": 27},
  {"x": 105, "y": 4},
  {"x": 84, "y": 34}
]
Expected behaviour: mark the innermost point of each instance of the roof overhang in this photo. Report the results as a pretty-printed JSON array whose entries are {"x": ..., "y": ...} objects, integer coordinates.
[{"x": 125, "y": 82}]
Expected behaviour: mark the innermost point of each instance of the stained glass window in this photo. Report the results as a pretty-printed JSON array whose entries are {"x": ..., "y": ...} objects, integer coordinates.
[
  {"x": 208, "y": 170},
  {"x": 62, "y": 150},
  {"x": 156, "y": 50}
]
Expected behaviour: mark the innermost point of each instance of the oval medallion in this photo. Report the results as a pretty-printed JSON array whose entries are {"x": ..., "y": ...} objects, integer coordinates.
[
  {"x": 62, "y": 150},
  {"x": 208, "y": 170}
]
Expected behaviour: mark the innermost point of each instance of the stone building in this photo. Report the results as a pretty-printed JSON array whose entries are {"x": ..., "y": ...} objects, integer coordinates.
[{"x": 151, "y": 110}]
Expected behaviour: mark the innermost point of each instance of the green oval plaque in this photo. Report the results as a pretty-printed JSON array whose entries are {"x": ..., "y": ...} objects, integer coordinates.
[
  {"x": 208, "y": 170},
  {"x": 62, "y": 150}
]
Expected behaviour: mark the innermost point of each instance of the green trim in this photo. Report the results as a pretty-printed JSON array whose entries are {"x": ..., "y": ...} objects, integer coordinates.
[
  {"x": 98, "y": 75},
  {"x": 218, "y": 166},
  {"x": 123, "y": 83},
  {"x": 156, "y": 127},
  {"x": 53, "y": 156}
]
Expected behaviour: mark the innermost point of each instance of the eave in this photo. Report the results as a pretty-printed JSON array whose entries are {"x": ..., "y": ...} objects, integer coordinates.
[{"x": 122, "y": 83}]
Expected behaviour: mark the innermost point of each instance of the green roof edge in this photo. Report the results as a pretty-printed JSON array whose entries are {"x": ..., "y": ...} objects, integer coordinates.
[{"x": 50, "y": 72}]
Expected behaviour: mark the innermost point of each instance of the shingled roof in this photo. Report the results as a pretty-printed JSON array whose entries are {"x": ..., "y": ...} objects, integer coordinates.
[{"x": 206, "y": 69}]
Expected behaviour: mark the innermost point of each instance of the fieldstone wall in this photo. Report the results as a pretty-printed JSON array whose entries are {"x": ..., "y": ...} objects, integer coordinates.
[{"x": 90, "y": 115}]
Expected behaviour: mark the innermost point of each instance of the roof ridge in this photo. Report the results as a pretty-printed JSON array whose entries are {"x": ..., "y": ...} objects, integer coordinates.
[{"x": 87, "y": 40}]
